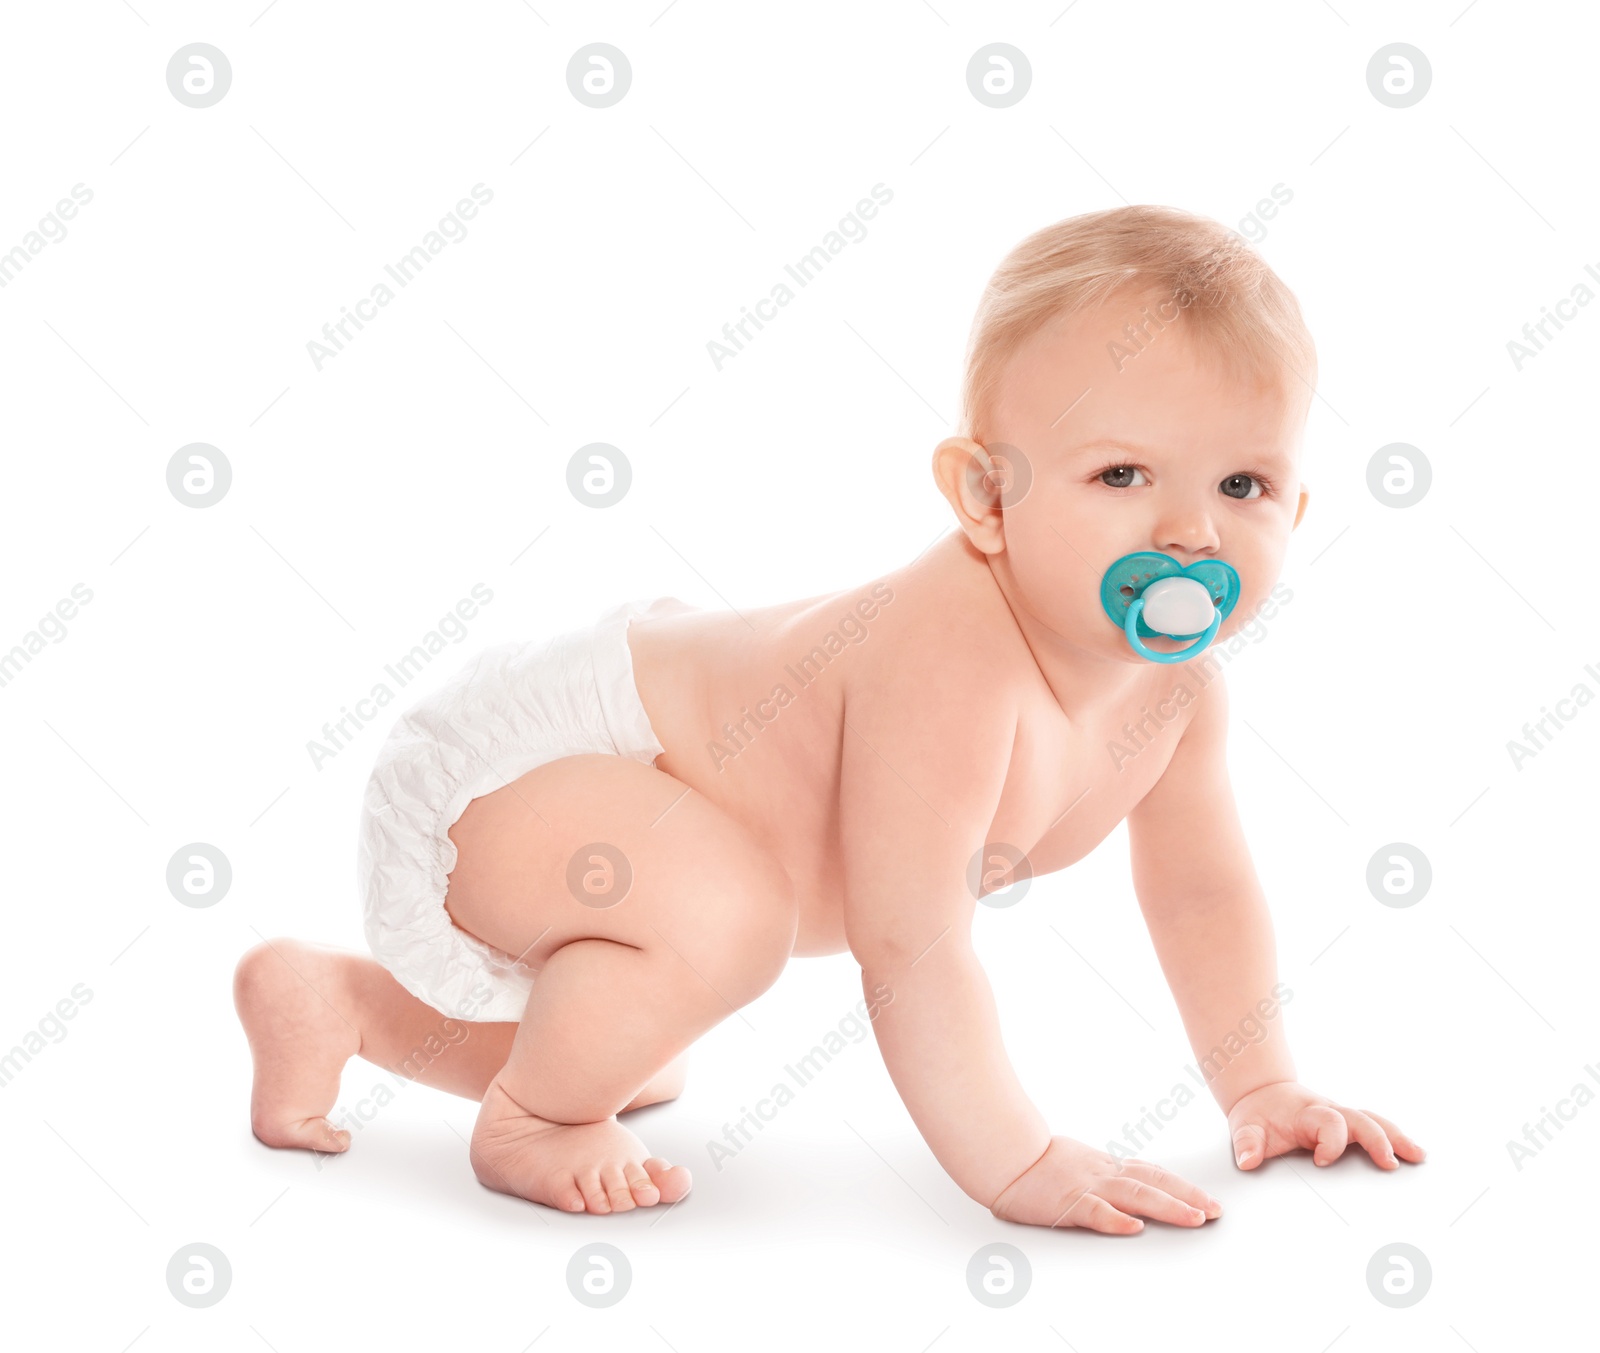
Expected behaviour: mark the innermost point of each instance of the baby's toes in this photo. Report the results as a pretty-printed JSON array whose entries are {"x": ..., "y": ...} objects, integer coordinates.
[
  {"x": 645, "y": 1193},
  {"x": 313, "y": 1134},
  {"x": 594, "y": 1194},
  {"x": 325, "y": 1137},
  {"x": 672, "y": 1180},
  {"x": 618, "y": 1192},
  {"x": 565, "y": 1194}
]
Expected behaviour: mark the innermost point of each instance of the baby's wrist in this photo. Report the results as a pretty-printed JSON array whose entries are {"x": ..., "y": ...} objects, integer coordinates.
[
  {"x": 1228, "y": 1097},
  {"x": 988, "y": 1189}
]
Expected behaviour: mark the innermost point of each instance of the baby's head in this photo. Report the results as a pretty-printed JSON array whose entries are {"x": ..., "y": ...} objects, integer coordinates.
[{"x": 1137, "y": 379}]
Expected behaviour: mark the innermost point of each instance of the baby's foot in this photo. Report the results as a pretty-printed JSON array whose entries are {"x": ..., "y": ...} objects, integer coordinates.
[
  {"x": 599, "y": 1167},
  {"x": 298, "y": 1042}
]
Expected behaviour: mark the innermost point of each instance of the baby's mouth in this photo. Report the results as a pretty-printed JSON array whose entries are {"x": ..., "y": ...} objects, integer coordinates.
[{"x": 1149, "y": 595}]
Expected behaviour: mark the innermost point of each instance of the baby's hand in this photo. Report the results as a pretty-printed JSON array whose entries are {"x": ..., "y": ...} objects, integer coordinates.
[
  {"x": 1278, "y": 1118},
  {"x": 1075, "y": 1185}
]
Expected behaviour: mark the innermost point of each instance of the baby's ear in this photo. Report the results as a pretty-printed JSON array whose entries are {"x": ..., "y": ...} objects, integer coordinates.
[
  {"x": 972, "y": 484},
  {"x": 1305, "y": 497}
]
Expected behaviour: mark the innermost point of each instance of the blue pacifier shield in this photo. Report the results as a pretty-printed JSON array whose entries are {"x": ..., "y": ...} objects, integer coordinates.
[{"x": 1123, "y": 595}]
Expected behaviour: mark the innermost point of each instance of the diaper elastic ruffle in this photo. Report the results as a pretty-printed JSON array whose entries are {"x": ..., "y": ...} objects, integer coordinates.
[{"x": 512, "y": 707}]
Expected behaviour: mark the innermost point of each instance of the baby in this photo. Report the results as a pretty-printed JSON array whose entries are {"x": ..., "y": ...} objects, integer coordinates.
[{"x": 582, "y": 852}]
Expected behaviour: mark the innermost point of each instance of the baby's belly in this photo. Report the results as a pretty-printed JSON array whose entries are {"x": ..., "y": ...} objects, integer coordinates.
[
  {"x": 780, "y": 782},
  {"x": 768, "y": 760},
  {"x": 787, "y": 799},
  {"x": 821, "y": 928}
]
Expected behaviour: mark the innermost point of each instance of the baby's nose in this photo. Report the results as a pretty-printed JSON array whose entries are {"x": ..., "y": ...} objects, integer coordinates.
[
  {"x": 1188, "y": 533},
  {"x": 1177, "y": 606}
]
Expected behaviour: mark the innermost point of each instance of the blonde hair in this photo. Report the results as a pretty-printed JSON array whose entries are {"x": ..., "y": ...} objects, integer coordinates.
[{"x": 1238, "y": 306}]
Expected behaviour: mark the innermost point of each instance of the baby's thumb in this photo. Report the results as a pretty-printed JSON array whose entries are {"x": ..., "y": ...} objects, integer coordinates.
[{"x": 1249, "y": 1145}]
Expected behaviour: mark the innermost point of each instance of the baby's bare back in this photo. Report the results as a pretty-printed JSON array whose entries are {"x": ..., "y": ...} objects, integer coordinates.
[{"x": 752, "y": 710}]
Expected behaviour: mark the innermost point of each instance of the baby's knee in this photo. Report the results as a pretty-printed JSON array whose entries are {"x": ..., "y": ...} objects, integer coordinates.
[
  {"x": 261, "y": 967},
  {"x": 741, "y": 931},
  {"x": 283, "y": 969}
]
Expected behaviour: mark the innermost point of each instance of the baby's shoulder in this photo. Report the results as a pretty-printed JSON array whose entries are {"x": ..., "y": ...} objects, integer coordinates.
[{"x": 940, "y": 660}]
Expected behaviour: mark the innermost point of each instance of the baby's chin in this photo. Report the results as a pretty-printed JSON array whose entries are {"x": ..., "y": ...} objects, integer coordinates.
[
  {"x": 1096, "y": 638},
  {"x": 1158, "y": 643},
  {"x": 1116, "y": 647}
]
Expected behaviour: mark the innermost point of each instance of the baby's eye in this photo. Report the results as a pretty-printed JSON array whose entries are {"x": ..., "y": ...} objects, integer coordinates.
[
  {"x": 1116, "y": 476},
  {"x": 1241, "y": 486}
]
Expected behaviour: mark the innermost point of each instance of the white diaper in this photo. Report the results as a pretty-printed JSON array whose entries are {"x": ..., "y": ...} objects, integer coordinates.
[{"x": 513, "y": 707}]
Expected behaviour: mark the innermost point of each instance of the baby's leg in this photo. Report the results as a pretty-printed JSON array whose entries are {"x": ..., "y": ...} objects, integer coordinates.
[
  {"x": 623, "y": 986},
  {"x": 307, "y": 1010}
]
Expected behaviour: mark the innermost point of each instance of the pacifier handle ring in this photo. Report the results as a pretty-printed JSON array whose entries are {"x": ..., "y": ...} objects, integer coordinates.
[{"x": 1131, "y": 628}]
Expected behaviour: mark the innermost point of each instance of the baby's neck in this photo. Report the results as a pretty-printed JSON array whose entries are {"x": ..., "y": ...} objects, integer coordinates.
[{"x": 1085, "y": 684}]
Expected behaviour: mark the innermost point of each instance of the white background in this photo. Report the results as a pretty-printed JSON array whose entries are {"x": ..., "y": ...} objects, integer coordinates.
[{"x": 370, "y": 496}]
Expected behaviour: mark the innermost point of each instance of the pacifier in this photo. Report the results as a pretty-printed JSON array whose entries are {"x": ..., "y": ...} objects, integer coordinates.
[{"x": 1148, "y": 593}]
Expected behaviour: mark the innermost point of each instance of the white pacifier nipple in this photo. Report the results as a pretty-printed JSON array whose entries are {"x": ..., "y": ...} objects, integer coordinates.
[{"x": 1177, "y": 606}]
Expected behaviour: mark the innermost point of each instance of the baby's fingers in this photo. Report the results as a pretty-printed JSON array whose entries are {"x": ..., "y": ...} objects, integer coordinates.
[
  {"x": 1322, "y": 1129},
  {"x": 1365, "y": 1129},
  {"x": 1249, "y": 1145},
  {"x": 1095, "y": 1214},
  {"x": 1404, "y": 1147},
  {"x": 1134, "y": 1195},
  {"x": 1176, "y": 1185}
]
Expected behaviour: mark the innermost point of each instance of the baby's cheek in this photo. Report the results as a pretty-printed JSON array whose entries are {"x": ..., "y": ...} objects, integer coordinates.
[{"x": 1252, "y": 615}]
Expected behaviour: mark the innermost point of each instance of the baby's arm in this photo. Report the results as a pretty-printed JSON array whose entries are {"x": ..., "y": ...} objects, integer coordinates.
[
  {"x": 914, "y": 802},
  {"x": 1212, "y": 932},
  {"x": 922, "y": 774}
]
